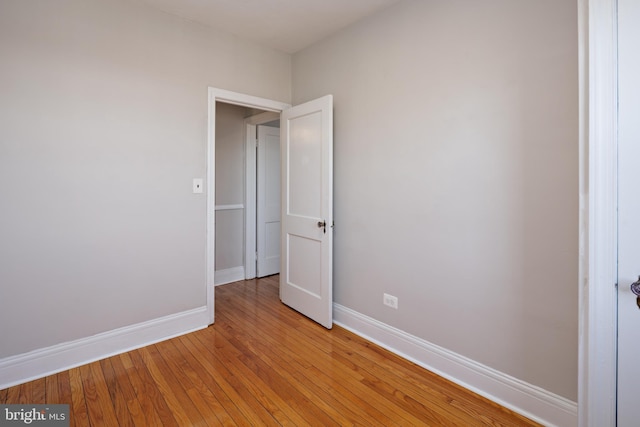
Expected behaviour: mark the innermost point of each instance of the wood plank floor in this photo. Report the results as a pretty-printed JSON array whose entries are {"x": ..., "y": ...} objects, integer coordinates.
[{"x": 260, "y": 364}]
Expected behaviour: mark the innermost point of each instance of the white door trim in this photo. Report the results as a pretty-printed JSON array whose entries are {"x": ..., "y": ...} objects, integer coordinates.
[
  {"x": 598, "y": 188},
  {"x": 250, "y": 189},
  {"x": 221, "y": 95}
]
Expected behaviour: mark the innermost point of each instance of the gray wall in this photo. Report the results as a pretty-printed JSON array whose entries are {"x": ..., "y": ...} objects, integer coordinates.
[
  {"x": 103, "y": 125},
  {"x": 456, "y": 176},
  {"x": 230, "y": 146}
]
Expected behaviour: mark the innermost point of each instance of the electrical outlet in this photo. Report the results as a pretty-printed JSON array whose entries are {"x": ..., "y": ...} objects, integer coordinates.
[{"x": 390, "y": 300}]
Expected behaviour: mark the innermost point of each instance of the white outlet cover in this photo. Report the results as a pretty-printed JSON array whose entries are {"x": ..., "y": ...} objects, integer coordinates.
[{"x": 390, "y": 300}]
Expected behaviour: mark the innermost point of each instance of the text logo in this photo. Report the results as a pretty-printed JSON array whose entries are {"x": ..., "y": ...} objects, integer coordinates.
[{"x": 34, "y": 415}]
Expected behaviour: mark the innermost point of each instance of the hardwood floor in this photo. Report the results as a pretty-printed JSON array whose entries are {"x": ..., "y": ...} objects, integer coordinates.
[{"x": 261, "y": 364}]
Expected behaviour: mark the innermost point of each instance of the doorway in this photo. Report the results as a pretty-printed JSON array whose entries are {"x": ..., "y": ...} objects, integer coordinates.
[
  {"x": 262, "y": 195},
  {"x": 247, "y": 203},
  {"x": 307, "y": 202},
  {"x": 215, "y": 211}
]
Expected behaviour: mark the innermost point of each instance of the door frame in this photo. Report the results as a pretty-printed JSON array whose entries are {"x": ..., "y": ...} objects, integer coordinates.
[
  {"x": 243, "y": 100},
  {"x": 597, "y": 358},
  {"x": 250, "y": 212}
]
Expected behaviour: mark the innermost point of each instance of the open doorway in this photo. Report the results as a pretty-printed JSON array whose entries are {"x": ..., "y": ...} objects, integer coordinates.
[
  {"x": 247, "y": 193},
  {"x": 262, "y": 195},
  {"x": 307, "y": 201},
  {"x": 219, "y": 97}
]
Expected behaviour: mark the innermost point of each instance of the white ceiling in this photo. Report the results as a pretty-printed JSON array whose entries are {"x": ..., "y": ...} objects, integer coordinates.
[{"x": 286, "y": 25}]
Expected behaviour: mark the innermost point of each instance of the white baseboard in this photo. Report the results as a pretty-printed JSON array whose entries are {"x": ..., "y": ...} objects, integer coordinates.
[
  {"x": 229, "y": 275},
  {"x": 60, "y": 357},
  {"x": 533, "y": 402}
]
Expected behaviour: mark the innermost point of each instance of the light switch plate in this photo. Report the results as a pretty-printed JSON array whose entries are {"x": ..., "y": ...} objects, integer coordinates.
[{"x": 197, "y": 185}]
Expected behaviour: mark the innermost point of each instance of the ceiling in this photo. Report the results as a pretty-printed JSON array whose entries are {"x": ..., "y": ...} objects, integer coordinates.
[{"x": 286, "y": 25}]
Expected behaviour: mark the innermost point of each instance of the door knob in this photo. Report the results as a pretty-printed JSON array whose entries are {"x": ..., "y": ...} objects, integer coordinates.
[
  {"x": 635, "y": 287},
  {"x": 323, "y": 224}
]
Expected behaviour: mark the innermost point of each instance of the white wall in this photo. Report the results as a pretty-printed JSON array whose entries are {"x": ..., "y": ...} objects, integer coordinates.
[
  {"x": 229, "y": 185},
  {"x": 103, "y": 125},
  {"x": 456, "y": 169}
]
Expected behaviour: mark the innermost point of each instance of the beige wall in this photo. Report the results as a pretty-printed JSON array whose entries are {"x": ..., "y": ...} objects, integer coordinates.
[
  {"x": 456, "y": 167},
  {"x": 103, "y": 125}
]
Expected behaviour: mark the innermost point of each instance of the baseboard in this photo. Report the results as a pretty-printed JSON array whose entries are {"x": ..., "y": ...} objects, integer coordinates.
[
  {"x": 229, "y": 275},
  {"x": 533, "y": 402},
  {"x": 60, "y": 357}
]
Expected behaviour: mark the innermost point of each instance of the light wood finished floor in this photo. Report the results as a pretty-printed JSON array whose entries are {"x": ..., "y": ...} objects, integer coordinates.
[{"x": 260, "y": 364}]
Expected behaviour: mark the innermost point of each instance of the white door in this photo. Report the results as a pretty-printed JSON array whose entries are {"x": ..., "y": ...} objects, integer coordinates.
[
  {"x": 268, "y": 201},
  {"x": 307, "y": 209},
  {"x": 628, "y": 212}
]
